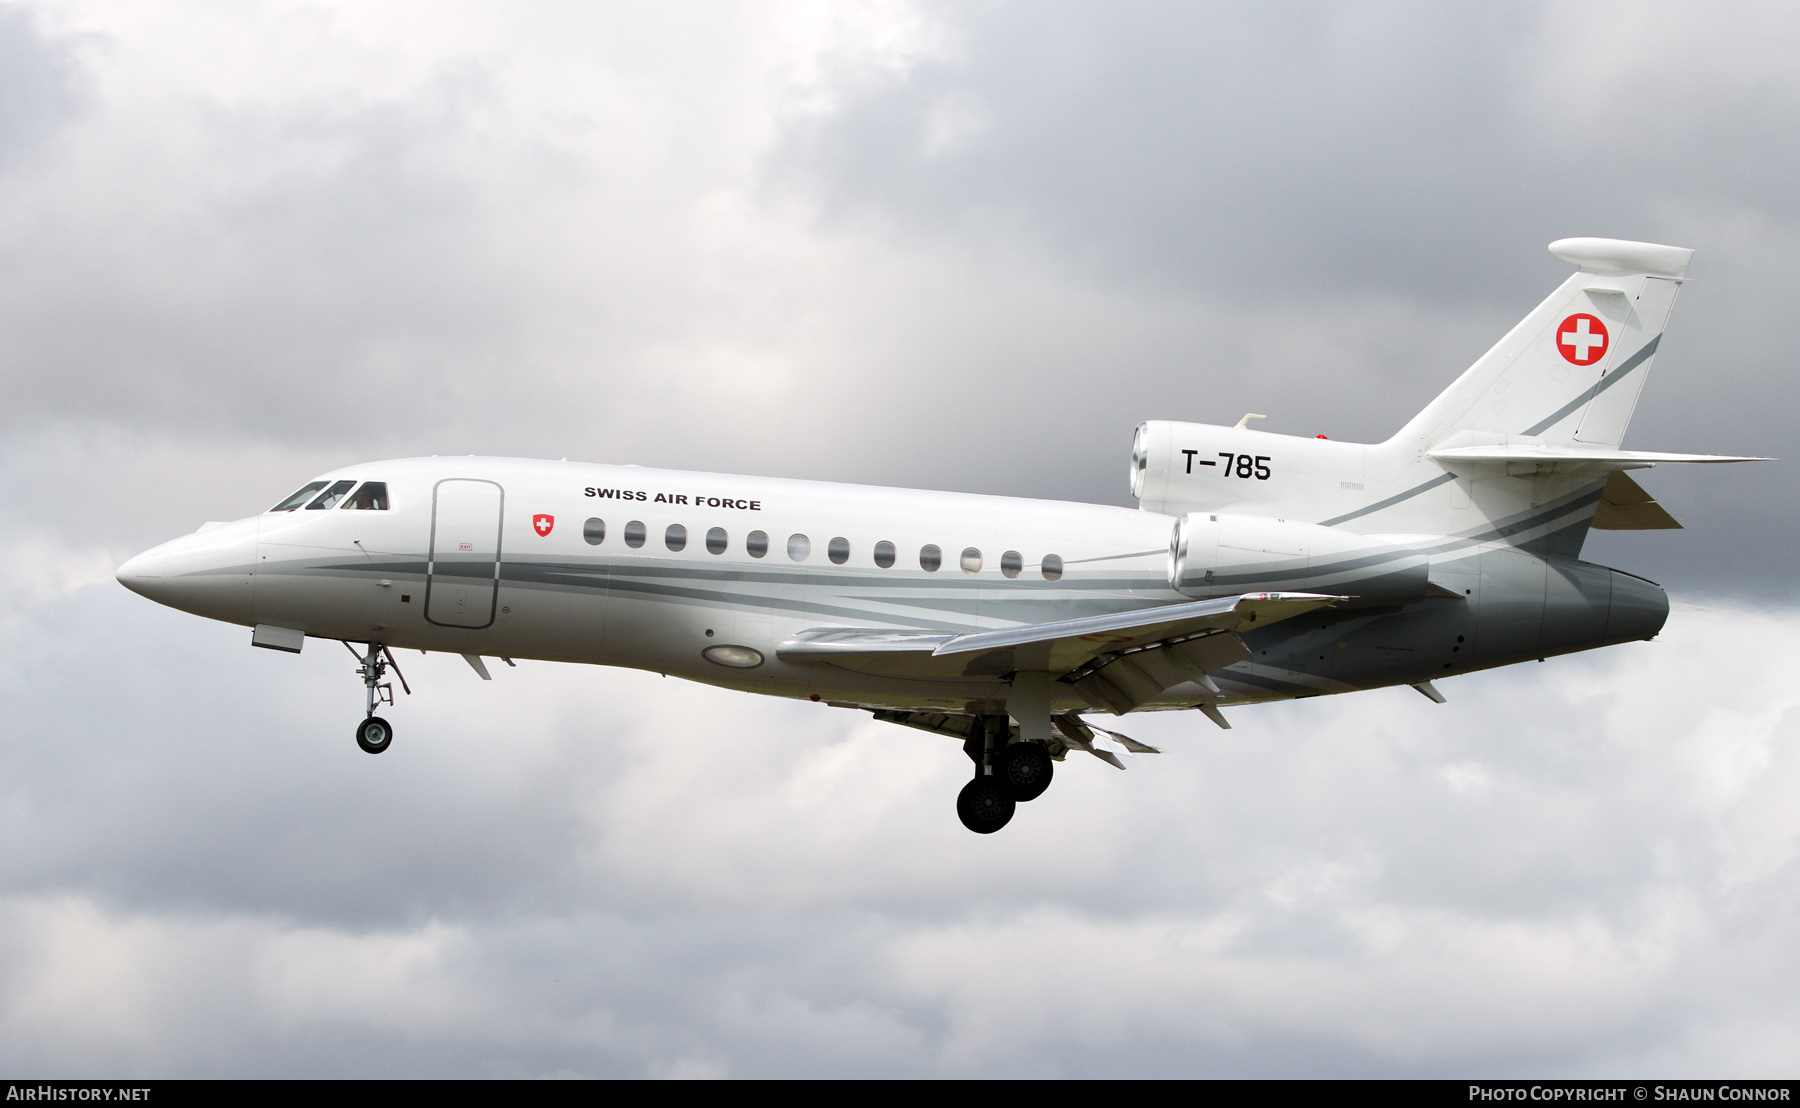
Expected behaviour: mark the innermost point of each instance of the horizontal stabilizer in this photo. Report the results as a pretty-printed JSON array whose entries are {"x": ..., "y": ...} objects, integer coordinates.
[
  {"x": 1570, "y": 460},
  {"x": 1625, "y": 506}
]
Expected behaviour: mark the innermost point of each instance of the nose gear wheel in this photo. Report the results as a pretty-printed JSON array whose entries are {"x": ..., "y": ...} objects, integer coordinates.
[{"x": 374, "y": 735}]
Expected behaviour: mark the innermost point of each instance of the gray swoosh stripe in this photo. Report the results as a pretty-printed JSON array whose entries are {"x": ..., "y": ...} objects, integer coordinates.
[
  {"x": 1390, "y": 501},
  {"x": 738, "y": 600},
  {"x": 1600, "y": 386},
  {"x": 1287, "y": 571},
  {"x": 579, "y": 578},
  {"x": 1114, "y": 557},
  {"x": 1575, "y": 505},
  {"x": 1070, "y": 609},
  {"x": 923, "y": 612},
  {"x": 1643, "y": 355}
]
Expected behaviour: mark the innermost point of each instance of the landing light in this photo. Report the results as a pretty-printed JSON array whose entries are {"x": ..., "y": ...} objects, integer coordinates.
[{"x": 737, "y": 657}]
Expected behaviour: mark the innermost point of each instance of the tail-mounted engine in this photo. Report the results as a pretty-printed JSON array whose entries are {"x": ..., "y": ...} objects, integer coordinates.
[
  {"x": 1222, "y": 555},
  {"x": 1197, "y": 467}
]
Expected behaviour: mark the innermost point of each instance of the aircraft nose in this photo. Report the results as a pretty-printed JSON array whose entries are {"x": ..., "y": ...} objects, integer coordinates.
[
  {"x": 207, "y": 573},
  {"x": 136, "y": 575}
]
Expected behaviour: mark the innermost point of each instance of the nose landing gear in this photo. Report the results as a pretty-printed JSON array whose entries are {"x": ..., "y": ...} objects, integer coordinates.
[{"x": 375, "y": 734}]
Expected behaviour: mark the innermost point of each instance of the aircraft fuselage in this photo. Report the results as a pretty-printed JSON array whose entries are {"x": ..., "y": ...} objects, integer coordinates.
[{"x": 658, "y": 569}]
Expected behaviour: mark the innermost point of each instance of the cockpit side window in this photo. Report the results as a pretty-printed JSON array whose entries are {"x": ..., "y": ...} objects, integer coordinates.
[
  {"x": 370, "y": 497},
  {"x": 299, "y": 498},
  {"x": 331, "y": 496}
]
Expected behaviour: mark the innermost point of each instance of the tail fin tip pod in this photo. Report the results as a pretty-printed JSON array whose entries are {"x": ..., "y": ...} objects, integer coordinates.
[{"x": 1620, "y": 256}]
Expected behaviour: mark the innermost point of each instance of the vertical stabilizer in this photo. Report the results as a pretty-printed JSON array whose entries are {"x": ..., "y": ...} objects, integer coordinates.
[
  {"x": 1568, "y": 376},
  {"x": 1571, "y": 371}
]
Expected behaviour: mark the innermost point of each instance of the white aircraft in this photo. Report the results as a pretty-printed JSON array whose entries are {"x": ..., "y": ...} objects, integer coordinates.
[{"x": 1256, "y": 566}]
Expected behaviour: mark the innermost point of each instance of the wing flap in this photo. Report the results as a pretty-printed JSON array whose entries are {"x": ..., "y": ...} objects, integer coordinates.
[
  {"x": 1169, "y": 644},
  {"x": 1074, "y": 641}
]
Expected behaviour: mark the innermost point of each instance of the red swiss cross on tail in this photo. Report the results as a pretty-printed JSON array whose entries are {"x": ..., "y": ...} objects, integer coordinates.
[
  {"x": 1582, "y": 339},
  {"x": 542, "y": 523}
]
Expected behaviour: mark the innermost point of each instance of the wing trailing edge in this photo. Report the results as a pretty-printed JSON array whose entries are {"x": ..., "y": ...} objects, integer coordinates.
[{"x": 1117, "y": 662}]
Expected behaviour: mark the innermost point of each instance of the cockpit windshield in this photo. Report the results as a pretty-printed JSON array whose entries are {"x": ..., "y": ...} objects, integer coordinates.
[
  {"x": 372, "y": 497},
  {"x": 299, "y": 498},
  {"x": 330, "y": 497}
]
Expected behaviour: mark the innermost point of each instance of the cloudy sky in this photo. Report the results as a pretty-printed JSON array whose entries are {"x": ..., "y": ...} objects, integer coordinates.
[{"x": 961, "y": 246}]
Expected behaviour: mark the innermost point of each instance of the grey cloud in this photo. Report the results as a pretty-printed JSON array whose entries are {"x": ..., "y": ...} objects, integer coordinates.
[
  {"x": 39, "y": 87},
  {"x": 595, "y": 872},
  {"x": 1326, "y": 147}
]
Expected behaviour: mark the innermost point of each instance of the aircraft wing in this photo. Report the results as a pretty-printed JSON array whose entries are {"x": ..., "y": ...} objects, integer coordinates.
[{"x": 1190, "y": 636}]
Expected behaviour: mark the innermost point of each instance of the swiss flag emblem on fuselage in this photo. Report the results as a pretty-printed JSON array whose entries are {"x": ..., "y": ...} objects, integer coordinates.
[{"x": 542, "y": 523}]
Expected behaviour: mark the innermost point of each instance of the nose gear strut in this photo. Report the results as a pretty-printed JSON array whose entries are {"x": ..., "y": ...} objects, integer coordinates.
[{"x": 375, "y": 734}]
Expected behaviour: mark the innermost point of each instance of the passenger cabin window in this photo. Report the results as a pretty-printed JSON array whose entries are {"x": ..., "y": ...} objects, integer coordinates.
[
  {"x": 884, "y": 554},
  {"x": 756, "y": 543},
  {"x": 799, "y": 546},
  {"x": 634, "y": 534},
  {"x": 838, "y": 550},
  {"x": 1052, "y": 568},
  {"x": 298, "y": 498},
  {"x": 930, "y": 558},
  {"x": 330, "y": 497},
  {"x": 716, "y": 540},
  {"x": 594, "y": 531},
  {"x": 675, "y": 538},
  {"x": 370, "y": 497},
  {"x": 971, "y": 560},
  {"x": 1011, "y": 563}
]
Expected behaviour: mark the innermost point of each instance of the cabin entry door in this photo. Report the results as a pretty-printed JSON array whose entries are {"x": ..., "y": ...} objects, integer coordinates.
[{"x": 462, "y": 570}]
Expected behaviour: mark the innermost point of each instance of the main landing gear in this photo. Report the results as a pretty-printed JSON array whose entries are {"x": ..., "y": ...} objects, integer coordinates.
[
  {"x": 1006, "y": 774},
  {"x": 375, "y": 734}
]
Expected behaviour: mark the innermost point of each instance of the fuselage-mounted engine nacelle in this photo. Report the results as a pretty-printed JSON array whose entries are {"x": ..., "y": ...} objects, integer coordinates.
[
  {"x": 1223, "y": 555},
  {"x": 1245, "y": 500}
]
